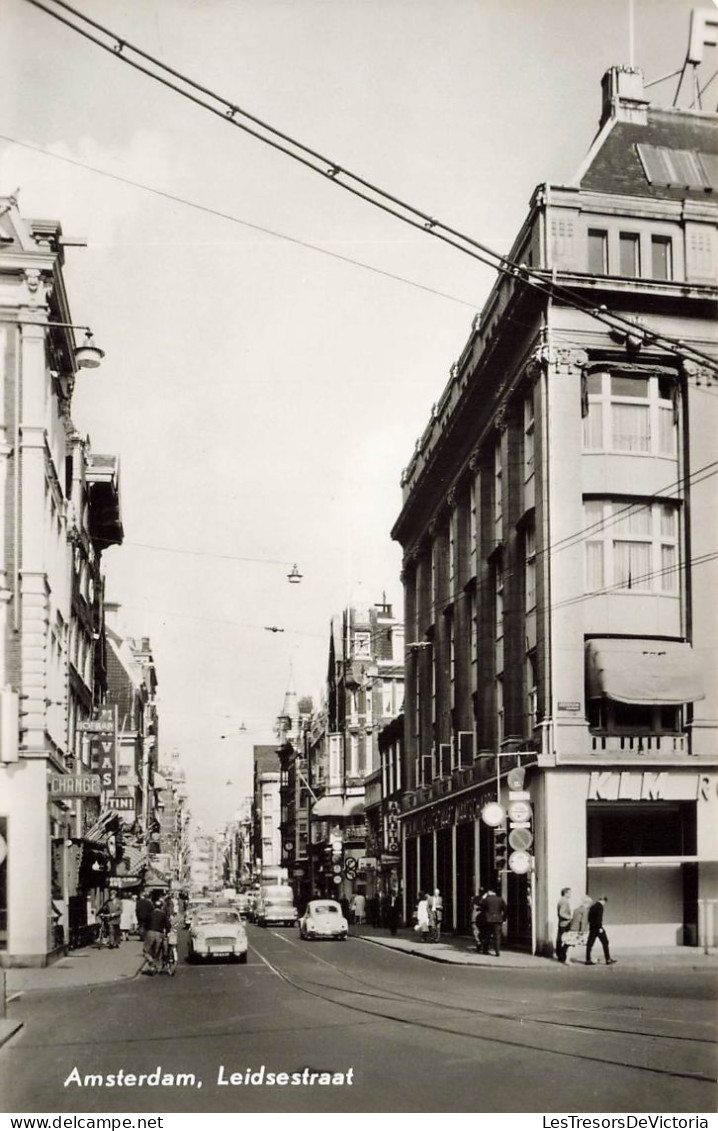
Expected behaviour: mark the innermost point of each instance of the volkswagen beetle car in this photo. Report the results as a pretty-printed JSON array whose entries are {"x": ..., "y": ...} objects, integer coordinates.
[
  {"x": 323, "y": 919},
  {"x": 217, "y": 932}
]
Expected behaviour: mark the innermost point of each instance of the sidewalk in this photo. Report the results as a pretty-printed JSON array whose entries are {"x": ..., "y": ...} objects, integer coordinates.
[
  {"x": 460, "y": 950},
  {"x": 85, "y": 967},
  {"x": 88, "y": 966}
]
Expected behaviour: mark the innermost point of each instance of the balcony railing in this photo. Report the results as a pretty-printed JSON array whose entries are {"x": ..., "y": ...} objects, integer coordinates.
[{"x": 665, "y": 744}]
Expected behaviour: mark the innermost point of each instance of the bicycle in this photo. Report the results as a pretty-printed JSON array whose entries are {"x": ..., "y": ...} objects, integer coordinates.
[
  {"x": 434, "y": 932},
  {"x": 166, "y": 963},
  {"x": 102, "y": 937}
]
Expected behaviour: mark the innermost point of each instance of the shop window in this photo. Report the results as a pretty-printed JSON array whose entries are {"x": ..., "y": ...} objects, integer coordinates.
[{"x": 655, "y": 828}]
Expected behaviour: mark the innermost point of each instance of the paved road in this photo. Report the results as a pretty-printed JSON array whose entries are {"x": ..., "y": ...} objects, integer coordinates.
[{"x": 410, "y": 1035}]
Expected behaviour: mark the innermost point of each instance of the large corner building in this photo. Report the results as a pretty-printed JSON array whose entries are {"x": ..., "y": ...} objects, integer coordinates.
[{"x": 558, "y": 528}]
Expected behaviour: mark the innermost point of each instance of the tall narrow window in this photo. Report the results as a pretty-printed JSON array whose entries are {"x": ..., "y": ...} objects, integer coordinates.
[
  {"x": 629, "y": 252},
  {"x": 661, "y": 257},
  {"x": 631, "y": 416},
  {"x": 473, "y": 527},
  {"x": 530, "y": 566},
  {"x": 597, "y": 251},
  {"x": 498, "y": 495},
  {"x": 529, "y": 436}
]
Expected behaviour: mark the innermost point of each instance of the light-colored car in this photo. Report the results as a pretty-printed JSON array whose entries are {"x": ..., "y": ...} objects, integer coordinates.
[
  {"x": 275, "y": 906},
  {"x": 323, "y": 919},
  {"x": 217, "y": 932}
]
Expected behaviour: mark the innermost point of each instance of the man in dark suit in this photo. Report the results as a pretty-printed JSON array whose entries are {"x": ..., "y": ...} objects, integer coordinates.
[
  {"x": 596, "y": 931},
  {"x": 494, "y": 912}
]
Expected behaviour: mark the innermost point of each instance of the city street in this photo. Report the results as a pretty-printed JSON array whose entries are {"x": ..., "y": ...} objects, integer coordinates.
[{"x": 385, "y": 1030}]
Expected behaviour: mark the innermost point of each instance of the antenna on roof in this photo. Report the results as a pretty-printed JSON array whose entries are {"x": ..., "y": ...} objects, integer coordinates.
[{"x": 703, "y": 33}]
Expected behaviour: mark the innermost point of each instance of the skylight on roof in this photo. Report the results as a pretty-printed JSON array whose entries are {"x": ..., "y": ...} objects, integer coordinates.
[{"x": 679, "y": 168}]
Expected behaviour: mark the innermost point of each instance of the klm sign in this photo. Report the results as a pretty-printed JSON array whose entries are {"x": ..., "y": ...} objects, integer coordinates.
[{"x": 661, "y": 786}]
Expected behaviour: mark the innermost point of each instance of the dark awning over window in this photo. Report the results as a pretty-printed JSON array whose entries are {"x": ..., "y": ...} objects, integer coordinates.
[{"x": 652, "y": 672}]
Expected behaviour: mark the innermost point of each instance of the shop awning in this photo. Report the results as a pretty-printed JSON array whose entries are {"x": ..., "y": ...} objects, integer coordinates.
[
  {"x": 331, "y": 805},
  {"x": 649, "y": 672},
  {"x": 354, "y": 807}
]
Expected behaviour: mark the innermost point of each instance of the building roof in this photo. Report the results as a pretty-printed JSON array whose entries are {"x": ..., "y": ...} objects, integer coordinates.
[{"x": 626, "y": 162}]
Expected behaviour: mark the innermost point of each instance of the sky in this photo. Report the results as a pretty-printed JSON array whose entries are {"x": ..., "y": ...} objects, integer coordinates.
[{"x": 262, "y": 392}]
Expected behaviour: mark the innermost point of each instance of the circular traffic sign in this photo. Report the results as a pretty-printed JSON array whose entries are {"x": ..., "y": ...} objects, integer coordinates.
[
  {"x": 520, "y": 862},
  {"x": 521, "y": 839},
  {"x": 493, "y": 814},
  {"x": 350, "y": 865},
  {"x": 520, "y": 811}
]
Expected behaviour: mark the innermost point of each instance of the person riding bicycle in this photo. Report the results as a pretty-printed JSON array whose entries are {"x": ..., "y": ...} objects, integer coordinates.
[{"x": 158, "y": 924}]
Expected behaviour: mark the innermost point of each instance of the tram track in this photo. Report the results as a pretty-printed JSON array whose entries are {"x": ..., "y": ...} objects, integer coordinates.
[{"x": 638, "y": 1049}]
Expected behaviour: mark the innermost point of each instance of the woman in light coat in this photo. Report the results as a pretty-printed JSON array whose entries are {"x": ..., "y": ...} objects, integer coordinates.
[{"x": 422, "y": 916}]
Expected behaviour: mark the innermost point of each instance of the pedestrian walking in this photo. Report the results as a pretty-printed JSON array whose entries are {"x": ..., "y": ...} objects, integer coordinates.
[
  {"x": 422, "y": 916},
  {"x": 436, "y": 913},
  {"x": 564, "y": 913},
  {"x": 392, "y": 912},
  {"x": 128, "y": 920},
  {"x": 478, "y": 924},
  {"x": 495, "y": 911},
  {"x": 112, "y": 909},
  {"x": 359, "y": 908},
  {"x": 158, "y": 924},
  {"x": 143, "y": 909},
  {"x": 596, "y": 931}
]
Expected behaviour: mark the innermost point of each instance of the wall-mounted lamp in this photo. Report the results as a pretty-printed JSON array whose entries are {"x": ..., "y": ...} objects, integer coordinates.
[
  {"x": 294, "y": 576},
  {"x": 88, "y": 355}
]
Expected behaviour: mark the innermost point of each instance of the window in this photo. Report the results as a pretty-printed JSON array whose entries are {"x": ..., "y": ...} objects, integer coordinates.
[
  {"x": 597, "y": 251},
  {"x": 633, "y": 414},
  {"x": 528, "y": 437},
  {"x": 531, "y": 691},
  {"x": 452, "y": 551},
  {"x": 362, "y": 644},
  {"x": 530, "y": 566},
  {"x": 631, "y": 546},
  {"x": 499, "y": 710},
  {"x": 473, "y": 527},
  {"x": 498, "y": 495},
  {"x": 612, "y": 717},
  {"x": 629, "y": 254},
  {"x": 661, "y": 257}
]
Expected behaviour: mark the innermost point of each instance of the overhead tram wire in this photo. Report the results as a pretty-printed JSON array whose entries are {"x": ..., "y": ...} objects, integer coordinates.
[{"x": 229, "y": 111}]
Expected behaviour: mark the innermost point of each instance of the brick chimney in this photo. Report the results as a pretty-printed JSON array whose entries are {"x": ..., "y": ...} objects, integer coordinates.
[{"x": 623, "y": 96}]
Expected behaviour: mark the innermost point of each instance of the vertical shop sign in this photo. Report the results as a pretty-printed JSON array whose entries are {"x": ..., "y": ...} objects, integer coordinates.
[{"x": 103, "y": 747}]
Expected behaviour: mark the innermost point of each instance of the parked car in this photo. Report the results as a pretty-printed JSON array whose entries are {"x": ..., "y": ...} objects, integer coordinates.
[
  {"x": 275, "y": 905},
  {"x": 323, "y": 919},
  {"x": 217, "y": 932}
]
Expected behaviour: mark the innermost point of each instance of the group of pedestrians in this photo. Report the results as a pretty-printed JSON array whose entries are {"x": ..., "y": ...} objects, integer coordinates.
[
  {"x": 429, "y": 915},
  {"x": 581, "y": 926},
  {"x": 154, "y": 923}
]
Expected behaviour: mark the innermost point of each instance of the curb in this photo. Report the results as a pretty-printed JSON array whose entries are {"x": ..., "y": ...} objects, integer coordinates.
[{"x": 458, "y": 961}]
